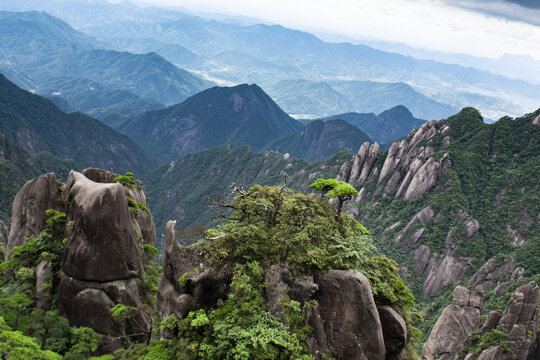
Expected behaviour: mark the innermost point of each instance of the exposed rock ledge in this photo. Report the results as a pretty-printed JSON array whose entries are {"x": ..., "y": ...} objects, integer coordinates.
[{"x": 345, "y": 319}]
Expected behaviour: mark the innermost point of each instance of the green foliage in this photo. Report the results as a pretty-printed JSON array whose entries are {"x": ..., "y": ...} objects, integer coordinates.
[
  {"x": 273, "y": 224},
  {"x": 84, "y": 340},
  {"x": 334, "y": 188},
  {"x": 184, "y": 278},
  {"x": 14, "y": 345},
  {"x": 478, "y": 343},
  {"x": 121, "y": 312},
  {"x": 128, "y": 181},
  {"x": 240, "y": 327}
]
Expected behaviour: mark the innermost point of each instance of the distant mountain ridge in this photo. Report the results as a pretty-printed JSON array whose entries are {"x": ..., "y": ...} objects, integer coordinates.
[
  {"x": 243, "y": 114},
  {"x": 38, "y": 125},
  {"x": 325, "y": 98},
  {"x": 320, "y": 140},
  {"x": 384, "y": 128},
  {"x": 259, "y": 52},
  {"x": 46, "y": 55}
]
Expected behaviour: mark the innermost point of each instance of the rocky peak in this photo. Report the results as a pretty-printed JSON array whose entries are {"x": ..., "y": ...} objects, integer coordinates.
[
  {"x": 458, "y": 330},
  {"x": 103, "y": 258},
  {"x": 454, "y": 325},
  {"x": 343, "y": 315},
  {"x": 28, "y": 212}
]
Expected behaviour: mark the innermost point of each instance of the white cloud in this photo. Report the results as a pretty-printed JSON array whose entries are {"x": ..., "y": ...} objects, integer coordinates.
[{"x": 421, "y": 23}]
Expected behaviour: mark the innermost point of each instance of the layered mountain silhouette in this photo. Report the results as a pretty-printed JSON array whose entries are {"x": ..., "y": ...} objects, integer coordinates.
[
  {"x": 319, "y": 140},
  {"x": 38, "y": 125},
  {"x": 44, "y": 54},
  {"x": 243, "y": 114},
  {"x": 384, "y": 128}
]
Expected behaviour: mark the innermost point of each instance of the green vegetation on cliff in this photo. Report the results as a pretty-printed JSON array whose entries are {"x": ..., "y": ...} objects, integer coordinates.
[
  {"x": 29, "y": 330},
  {"x": 267, "y": 226}
]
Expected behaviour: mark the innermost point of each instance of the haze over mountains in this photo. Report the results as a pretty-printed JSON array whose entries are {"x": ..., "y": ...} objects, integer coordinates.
[
  {"x": 130, "y": 89},
  {"x": 268, "y": 55},
  {"x": 47, "y": 56}
]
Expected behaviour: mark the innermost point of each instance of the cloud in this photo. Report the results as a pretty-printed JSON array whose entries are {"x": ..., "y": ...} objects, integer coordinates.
[{"x": 527, "y": 11}]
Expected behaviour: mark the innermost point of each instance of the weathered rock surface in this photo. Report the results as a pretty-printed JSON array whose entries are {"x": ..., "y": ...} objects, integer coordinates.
[
  {"x": 280, "y": 283},
  {"x": 44, "y": 285},
  {"x": 87, "y": 303},
  {"x": 438, "y": 274},
  {"x": 201, "y": 285},
  {"x": 103, "y": 246},
  {"x": 350, "y": 318},
  {"x": 394, "y": 331},
  {"x": 423, "y": 180},
  {"x": 103, "y": 258},
  {"x": 495, "y": 276},
  {"x": 519, "y": 326},
  {"x": 28, "y": 212},
  {"x": 142, "y": 220},
  {"x": 453, "y": 326}
]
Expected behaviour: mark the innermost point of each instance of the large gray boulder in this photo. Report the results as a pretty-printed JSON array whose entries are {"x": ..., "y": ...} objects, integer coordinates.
[
  {"x": 103, "y": 245},
  {"x": 103, "y": 260},
  {"x": 28, "y": 212},
  {"x": 349, "y": 316},
  {"x": 454, "y": 325},
  {"x": 189, "y": 282},
  {"x": 394, "y": 331}
]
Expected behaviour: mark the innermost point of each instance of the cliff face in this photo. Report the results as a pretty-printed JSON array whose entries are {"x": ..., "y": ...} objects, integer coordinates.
[
  {"x": 346, "y": 322},
  {"x": 104, "y": 255},
  {"x": 451, "y": 196},
  {"x": 511, "y": 334}
]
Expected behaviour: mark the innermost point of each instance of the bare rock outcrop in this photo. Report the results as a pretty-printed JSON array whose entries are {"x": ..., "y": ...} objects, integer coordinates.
[
  {"x": 103, "y": 259},
  {"x": 453, "y": 326},
  {"x": 440, "y": 273},
  {"x": 103, "y": 246},
  {"x": 362, "y": 167},
  {"x": 189, "y": 282},
  {"x": 517, "y": 327},
  {"x": 44, "y": 285},
  {"x": 350, "y": 319},
  {"x": 423, "y": 180},
  {"x": 28, "y": 212},
  {"x": 394, "y": 331}
]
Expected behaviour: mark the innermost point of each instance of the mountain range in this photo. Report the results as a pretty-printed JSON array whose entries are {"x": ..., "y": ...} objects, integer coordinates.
[
  {"x": 230, "y": 53},
  {"x": 384, "y": 128},
  {"x": 243, "y": 114},
  {"x": 37, "y": 125},
  {"x": 258, "y": 52},
  {"x": 319, "y": 140},
  {"x": 44, "y": 54}
]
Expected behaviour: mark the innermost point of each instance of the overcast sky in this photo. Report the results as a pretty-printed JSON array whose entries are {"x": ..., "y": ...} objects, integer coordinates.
[{"x": 478, "y": 27}]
